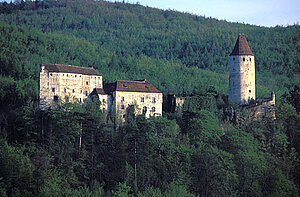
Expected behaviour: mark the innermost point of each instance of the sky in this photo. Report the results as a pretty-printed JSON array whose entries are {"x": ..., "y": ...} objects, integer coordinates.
[{"x": 267, "y": 13}]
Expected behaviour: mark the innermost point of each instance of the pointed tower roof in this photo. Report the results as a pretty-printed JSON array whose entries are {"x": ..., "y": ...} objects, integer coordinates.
[{"x": 241, "y": 46}]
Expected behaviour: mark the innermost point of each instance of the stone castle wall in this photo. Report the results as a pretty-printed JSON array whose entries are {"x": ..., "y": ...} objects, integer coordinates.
[
  {"x": 241, "y": 79},
  {"x": 143, "y": 100},
  {"x": 65, "y": 87}
]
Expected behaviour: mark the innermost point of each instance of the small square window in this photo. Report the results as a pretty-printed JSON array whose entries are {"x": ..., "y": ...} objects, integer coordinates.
[
  {"x": 142, "y": 99},
  {"x": 53, "y": 89},
  {"x": 122, "y": 107}
]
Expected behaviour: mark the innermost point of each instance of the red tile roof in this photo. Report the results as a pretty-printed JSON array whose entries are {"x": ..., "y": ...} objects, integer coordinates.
[
  {"x": 131, "y": 86},
  {"x": 71, "y": 69},
  {"x": 241, "y": 46}
]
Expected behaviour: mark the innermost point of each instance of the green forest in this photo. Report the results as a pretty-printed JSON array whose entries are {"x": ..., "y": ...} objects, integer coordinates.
[{"x": 74, "y": 151}]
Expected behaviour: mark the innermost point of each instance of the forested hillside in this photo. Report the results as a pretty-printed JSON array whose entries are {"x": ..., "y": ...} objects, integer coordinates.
[{"x": 198, "y": 152}]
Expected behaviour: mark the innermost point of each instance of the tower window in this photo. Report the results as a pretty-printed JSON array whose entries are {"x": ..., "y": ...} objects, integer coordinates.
[
  {"x": 250, "y": 59},
  {"x": 86, "y": 93},
  {"x": 53, "y": 89},
  {"x": 80, "y": 100},
  {"x": 73, "y": 90},
  {"x": 249, "y": 91},
  {"x": 55, "y": 98},
  {"x": 65, "y": 90},
  {"x": 87, "y": 83},
  {"x": 244, "y": 59}
]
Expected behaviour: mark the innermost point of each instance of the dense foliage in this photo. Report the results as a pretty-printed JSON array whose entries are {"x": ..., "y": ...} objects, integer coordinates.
[{"x": 74, "y": 151}]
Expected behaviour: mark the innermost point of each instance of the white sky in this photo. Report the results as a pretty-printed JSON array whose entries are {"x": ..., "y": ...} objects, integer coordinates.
[{"x": 257, "y": 12}]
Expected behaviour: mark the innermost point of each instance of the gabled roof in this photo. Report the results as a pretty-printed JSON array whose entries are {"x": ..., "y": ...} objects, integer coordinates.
[
  {"x": 241, "y": 46},
  {"x": 131, "y": 86},
  {"x": 71, "y": 69}
]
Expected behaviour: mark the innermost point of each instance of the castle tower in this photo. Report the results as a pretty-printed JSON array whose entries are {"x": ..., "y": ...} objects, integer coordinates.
[{"x": 241, "y": 72}]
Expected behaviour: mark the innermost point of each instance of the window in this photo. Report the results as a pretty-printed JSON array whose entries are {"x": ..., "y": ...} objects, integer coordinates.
[
  {"x": 233, "y": 58},
  {"x": 124, "y": 116},
  {"x": 80, "y": 100},
  {"x": 249, "y": 91},
  {"x": 153, "y": 100},
  {"x": 122, "y": 98},
  {"x": 80, "y": 91},
  {"x": 250, "y": 59},
  {"x": 87, "y": 83},
  {"x": 75, "y": 75},
  {"x": 153, "y": 109},
  {"x": 86, "y": 93},
  {"x": 142, "y": 99},
  {"x": 67, "y": 99},
  {"x": 244, "y": 59},
  {"x": 65, "y": 90},
  {"x": 122, "y": 107},
  {"x": 53, "y": 89},
  {"x": 144, "y": 110},
  {"x": 55, "y": 98},
  {"x": 73, "y": 90},
  {"x": 67, "y": 75},
  {"x": 124, "y": 85},
  {"x": 51, "y": 74}
]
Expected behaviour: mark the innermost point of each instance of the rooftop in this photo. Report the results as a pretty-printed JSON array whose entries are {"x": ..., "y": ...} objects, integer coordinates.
[
  {"x": 131, "y": 86},
  {"x": 241, "y": 46},
  {"x": 71, "y": 69}
]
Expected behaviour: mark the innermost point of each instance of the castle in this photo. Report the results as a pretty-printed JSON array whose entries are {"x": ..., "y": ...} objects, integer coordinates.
[
  {"x": 65, "y": 83},
  {"x": 242, "y": 85}
]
